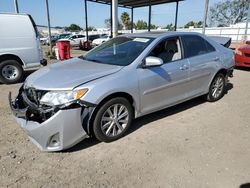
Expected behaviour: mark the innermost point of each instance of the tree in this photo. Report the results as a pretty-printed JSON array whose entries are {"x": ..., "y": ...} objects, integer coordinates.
[
  {"x": 140, "y": 24},
  {"x": 125, "y": 20},
  {"x": 169, "y": 27},
  {"x": 228, "y": 12},
  {"x": 73, "y": 27},
  {"x": 194, "y": 24},
  {"x": 107, "y": 23},
  {"x": 91, "y": 28},
  {"x": 189, "y": 24},
  {"x": 152, "y": 26}
]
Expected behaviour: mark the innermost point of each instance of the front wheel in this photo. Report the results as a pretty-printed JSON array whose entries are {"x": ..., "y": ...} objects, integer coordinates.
[
  {"x": 10, "y": 72},
  {"x": 217, "y": 88},
  {"x": 113, "y": 119}
]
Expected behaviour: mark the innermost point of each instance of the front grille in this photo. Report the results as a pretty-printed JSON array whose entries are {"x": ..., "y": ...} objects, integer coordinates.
[
  {"x": 34, "y": 95},
  {"x": 247, "y": 55}
]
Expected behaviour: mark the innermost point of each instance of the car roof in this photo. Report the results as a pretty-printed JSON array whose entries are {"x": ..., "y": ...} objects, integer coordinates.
[{"x": 158, "y": 34}]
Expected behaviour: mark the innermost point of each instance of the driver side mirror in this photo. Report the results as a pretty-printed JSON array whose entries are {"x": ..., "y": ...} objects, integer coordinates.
[{"x": 152, "y": 61}]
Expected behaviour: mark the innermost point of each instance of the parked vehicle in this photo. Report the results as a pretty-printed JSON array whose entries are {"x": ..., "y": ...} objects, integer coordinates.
[
  {"x": 43, "y": 40},
  {"x": 100, "y": 40},
  {"x": 122, "y": 79},
  {"x": 93, "y": 37},
  {"x": 55, "y": 38},
  {"x": 74, "y": 39},
  {"x": 242, "y": 55},
  {"x": 20, "y": 48}
]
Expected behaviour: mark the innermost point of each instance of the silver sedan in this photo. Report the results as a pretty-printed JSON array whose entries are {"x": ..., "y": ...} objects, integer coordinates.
[{"x": 99, "y": 94}]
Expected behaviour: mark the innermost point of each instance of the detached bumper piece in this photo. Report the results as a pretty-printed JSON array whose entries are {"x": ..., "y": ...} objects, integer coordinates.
[{"x": 51, "y": 128}]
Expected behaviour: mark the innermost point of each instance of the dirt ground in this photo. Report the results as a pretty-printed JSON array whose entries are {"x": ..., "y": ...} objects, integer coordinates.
[{"x": 195, "y": 144}]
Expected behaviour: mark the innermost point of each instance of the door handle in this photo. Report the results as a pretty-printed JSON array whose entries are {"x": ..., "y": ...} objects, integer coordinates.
[{"x": 184, "y": 67}]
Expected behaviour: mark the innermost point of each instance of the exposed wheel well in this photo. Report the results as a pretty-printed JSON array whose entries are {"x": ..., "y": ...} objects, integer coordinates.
[
  {"x": 11, "y": 57},
  {"x": 114, "y": 95},
  {"x": 223, "y": 71}
]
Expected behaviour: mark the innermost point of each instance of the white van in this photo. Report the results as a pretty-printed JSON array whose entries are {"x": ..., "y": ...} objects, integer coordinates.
[{"x": 20, "y": 48}]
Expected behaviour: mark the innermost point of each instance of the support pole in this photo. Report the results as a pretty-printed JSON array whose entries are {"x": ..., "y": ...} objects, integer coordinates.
[
  {"x": 248, "y": 19},
  {"x": 111, "y": 18},
  {"x": 176, "y": 15},
  {"x": 149, "y": 16},
  {"x": 205, "y": 17},
  {"x": 132, "y": 19},
  {"x": 114, "y": 18},
  {"x": 49, "y": 29},
  {"x": 16, "y": 6},
  {"x": 86, "y": 20}
]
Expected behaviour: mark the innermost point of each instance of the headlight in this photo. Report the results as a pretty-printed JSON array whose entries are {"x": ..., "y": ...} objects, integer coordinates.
[
  {"x": 62, "y": 97},
  {"x": 237, "y": 51}
]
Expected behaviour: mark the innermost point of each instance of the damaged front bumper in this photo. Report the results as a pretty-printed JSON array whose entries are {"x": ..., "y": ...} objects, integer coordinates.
[{"x": 52, "y": 129}]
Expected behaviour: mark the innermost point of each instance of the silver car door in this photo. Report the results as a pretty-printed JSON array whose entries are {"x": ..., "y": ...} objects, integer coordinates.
[
  {"x": 203, "y": 58},
  {"x": 163, "y": 85}
]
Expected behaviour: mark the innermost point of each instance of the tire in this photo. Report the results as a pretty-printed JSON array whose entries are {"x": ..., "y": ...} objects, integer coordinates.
[
  {"x": 10, "y": 72},
  {"x": 217, "y": 88},
  {"x": 105, "y": 128}
]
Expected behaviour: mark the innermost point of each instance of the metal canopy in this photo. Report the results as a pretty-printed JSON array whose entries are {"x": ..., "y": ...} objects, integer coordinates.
[{"x": 135, "y": 4}]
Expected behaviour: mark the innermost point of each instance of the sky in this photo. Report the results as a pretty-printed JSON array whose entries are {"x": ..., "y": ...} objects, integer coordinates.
[{"x": 66, "y": 12}]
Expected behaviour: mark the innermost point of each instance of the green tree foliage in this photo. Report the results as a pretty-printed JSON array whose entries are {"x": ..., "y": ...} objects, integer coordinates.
[
  {"x": 228, "y": 12},
  {"x": 91, "y": 28},
  {"x": 153, "y": 26},
  {"x": 125, "y": 20},
  {"x": 140, "y": 24},
  {"x": 169, "y": 27},
  {"x": 73, "y": 27},
  {"x": 107, "y": 23},
  {"x": 194, "y": 24}
]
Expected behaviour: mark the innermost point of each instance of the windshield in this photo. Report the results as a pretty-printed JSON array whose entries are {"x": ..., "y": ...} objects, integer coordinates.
[{"x": 118, "y": 51}]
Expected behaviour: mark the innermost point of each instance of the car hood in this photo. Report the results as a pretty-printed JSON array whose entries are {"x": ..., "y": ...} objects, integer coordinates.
[{"x": 69, "y": 74}]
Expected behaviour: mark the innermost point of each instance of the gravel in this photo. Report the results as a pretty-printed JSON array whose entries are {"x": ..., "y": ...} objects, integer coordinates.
[{"x": 195, "y": 144}]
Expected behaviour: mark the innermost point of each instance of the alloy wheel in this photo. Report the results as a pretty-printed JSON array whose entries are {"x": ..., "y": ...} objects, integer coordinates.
[{"x": 114, "y": 120}]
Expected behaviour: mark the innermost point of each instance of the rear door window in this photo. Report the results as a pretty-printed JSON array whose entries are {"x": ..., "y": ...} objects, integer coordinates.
[{"x": 196, "y": 45}]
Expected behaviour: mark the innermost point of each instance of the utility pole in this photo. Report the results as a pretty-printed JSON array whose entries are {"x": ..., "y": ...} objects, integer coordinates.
[
  {"x": 16, "y": 6},
  {"x": 49, "y": 29},
  {"x": 114, "y": 18},
  {"x": 205, "y": 17},
  {"x": 86, "y": 20}
]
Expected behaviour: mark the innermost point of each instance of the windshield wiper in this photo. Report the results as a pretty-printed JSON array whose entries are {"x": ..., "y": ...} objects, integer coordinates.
[{"x": 94, "y": 60}]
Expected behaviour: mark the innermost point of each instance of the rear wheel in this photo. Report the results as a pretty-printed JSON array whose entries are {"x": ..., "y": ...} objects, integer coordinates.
[
  {"x": 113, "y": 119},
  {"x": 217, "y": 88},
  {"x": 10, "y": 72}
]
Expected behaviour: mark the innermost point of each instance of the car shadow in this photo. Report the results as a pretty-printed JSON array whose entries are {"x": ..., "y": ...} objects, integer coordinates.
[
  {"x": 243, "y": 68},
  {"x": 246, "y": 185},
  {"x": 144, "y": 120}
]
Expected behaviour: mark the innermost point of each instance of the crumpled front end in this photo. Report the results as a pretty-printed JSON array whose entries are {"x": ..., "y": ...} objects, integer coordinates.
[{"x": 51, "y": 128}]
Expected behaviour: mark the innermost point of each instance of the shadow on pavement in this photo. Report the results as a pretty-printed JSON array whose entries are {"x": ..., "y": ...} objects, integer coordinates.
[
  {"x": 246, "y": 185},
  {"x": 243, "y": 68}
]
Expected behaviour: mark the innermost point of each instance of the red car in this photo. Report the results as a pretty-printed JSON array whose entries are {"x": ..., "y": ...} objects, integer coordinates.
[{"x": 242, "y": 55}]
